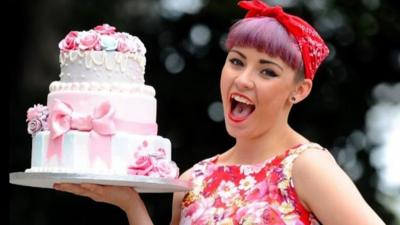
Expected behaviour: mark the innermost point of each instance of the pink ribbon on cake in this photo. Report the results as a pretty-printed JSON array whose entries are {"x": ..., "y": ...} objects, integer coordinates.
[{"x": 102, "y": 124}]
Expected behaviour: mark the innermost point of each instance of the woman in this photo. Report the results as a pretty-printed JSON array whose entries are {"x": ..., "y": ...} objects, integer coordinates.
[{"x": 272, "y": 175}]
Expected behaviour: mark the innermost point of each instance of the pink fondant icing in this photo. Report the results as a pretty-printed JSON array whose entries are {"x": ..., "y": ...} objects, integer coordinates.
[
  {"x": 55, "y": 148},
  {"x": 101, "y": 124},
  {"x": 100, "y": 147},
  {"x": 128, "y": 107}
]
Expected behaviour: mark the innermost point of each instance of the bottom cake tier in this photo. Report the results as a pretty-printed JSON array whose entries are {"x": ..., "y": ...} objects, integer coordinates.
[{"x": 87, "y": 152}]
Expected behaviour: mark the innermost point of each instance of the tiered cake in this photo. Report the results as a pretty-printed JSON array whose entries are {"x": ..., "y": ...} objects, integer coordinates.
[{"x": 100, "y": 116}]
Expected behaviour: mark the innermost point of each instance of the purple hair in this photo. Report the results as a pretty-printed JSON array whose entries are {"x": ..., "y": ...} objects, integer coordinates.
[{"x": 267, "y": 35}]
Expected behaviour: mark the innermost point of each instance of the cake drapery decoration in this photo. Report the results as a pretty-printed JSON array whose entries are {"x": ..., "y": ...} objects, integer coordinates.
[
  {"x": 63, "y": 118},
  {"x": 312, "y": 46},
  {"x": 101, "y": 125}
]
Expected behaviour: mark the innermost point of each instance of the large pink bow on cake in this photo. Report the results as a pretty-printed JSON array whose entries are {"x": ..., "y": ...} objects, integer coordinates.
[
  {"x": 101, "y": 125},
  {"x": 63, "y": 118}
]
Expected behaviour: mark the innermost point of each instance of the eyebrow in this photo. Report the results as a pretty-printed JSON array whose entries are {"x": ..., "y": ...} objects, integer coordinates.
[{"x": 262, "y": 61}]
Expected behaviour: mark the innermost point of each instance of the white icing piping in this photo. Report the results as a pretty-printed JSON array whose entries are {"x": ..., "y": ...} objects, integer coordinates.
[
  {"x": 102, "y": 87},
  {"x": 122, "y": 60},
  {"x": 99, "y": 58}
]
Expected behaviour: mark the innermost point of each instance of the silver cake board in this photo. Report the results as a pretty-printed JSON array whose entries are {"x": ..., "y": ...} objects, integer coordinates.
[{"x": 141, "y": 184}]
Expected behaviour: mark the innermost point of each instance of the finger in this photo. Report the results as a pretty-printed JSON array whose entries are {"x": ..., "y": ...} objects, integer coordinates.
[
  {"x": 73, "y": 188},
  {"x": 97, "y": 189},
  {"x": 97, "y": 192}
]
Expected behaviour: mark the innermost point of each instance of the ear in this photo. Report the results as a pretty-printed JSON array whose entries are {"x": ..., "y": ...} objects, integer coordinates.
[{"x": 302, "y": 90}]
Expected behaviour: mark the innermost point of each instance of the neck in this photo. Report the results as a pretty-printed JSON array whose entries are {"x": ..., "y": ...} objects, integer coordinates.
[{"x": 258, "y": 149}]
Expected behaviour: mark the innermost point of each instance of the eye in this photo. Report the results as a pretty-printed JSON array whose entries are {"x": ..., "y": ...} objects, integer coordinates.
[
  {"x": 269, "y": 73},
  {"x": 236, "y": 62}
]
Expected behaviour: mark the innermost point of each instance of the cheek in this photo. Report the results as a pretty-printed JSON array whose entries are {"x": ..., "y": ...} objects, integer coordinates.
[
  {"x": 224, "y": 81},
  {"x": 272, "y": 96}
]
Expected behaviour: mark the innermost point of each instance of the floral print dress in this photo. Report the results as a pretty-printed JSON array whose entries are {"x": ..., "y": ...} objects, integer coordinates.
[{"x": 246, "y": 194}]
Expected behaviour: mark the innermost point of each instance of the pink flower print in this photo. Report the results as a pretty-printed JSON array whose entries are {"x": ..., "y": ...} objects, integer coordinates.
[
  {"x": 273, "y": 192},
  {"x": 105, "y": 29},
  {"x": 246, "y": 183},
  {"x": 246, "y": 170},
  {"x": 271, "y": 216},
  {"x": 199, "y": 212},
  {"x": 88, "y": 40},
  {"x": 251, "y": 213},
  {"x": 69, "y": 42},
  {"x": 227, "y": 191},
  {"x": 227, "y": 221},
  {"x": 257, "y": 192},
  {"x": 142, "y": 165}
]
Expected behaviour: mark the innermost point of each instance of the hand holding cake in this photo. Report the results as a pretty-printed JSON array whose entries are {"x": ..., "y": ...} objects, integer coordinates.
[{"x": 126, "y": 198}]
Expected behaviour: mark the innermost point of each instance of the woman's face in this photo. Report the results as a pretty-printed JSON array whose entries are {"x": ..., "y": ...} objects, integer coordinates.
[{"x": 256, "y": 90}]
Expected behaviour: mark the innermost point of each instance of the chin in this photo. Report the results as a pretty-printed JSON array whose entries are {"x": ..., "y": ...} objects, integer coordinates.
[{"x": 237, "y": 132}]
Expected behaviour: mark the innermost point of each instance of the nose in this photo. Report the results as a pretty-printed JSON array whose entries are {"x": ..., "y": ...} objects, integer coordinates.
[{"x": 244, "y": 80}]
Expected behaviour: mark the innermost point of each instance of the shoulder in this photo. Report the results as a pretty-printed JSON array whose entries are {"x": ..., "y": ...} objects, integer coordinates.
[
  {"x": 313, "y": 163},
  {"x": 312, "y": 167},
  {"x": 311, "y": 156},
  {"x": 307, "y": 157},
  {"x": 324, "y": 188}
]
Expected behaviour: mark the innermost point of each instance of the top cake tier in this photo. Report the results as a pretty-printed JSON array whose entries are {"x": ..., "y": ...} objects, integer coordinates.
[{"x": 102, "y": 55}]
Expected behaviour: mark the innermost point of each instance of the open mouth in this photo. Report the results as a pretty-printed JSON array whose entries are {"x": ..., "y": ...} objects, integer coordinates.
[{"x": 241, "y": 107}]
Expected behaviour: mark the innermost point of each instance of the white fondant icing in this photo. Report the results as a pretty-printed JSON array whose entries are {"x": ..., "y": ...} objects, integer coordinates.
[
  {"x": 75, "y": 153},
  {"x": 102, "y": 66}
]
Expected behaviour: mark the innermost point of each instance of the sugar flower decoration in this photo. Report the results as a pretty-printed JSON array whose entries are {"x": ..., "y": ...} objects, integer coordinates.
[{"x": 37, "y": 118}]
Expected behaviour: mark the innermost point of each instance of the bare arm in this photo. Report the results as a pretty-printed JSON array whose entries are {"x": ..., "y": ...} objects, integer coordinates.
[
  {"x": 177, "y": 200},
  {"x": 328, "y": 192}
]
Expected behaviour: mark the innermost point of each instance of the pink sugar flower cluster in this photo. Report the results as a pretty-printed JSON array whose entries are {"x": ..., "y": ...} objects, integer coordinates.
[
  {"x": 37, "y": 118},
  {"x": 153, "y": 165},
  {"x": 102, "y": 38}
]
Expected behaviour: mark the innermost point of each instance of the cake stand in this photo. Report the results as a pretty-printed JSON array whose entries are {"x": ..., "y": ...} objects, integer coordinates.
[{"x": 142, "y": 184}]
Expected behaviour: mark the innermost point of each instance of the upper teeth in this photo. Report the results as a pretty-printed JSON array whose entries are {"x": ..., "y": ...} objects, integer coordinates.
[{"x": 241, "y": 99}]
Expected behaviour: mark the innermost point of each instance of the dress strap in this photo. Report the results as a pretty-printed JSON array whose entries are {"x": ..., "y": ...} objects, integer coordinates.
[
  {"x": 286, "y": 186},
  {"x": 294, "y": 153},
  {"x": 287, "y": 162},
  {"x": 297, "y": 151}
]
